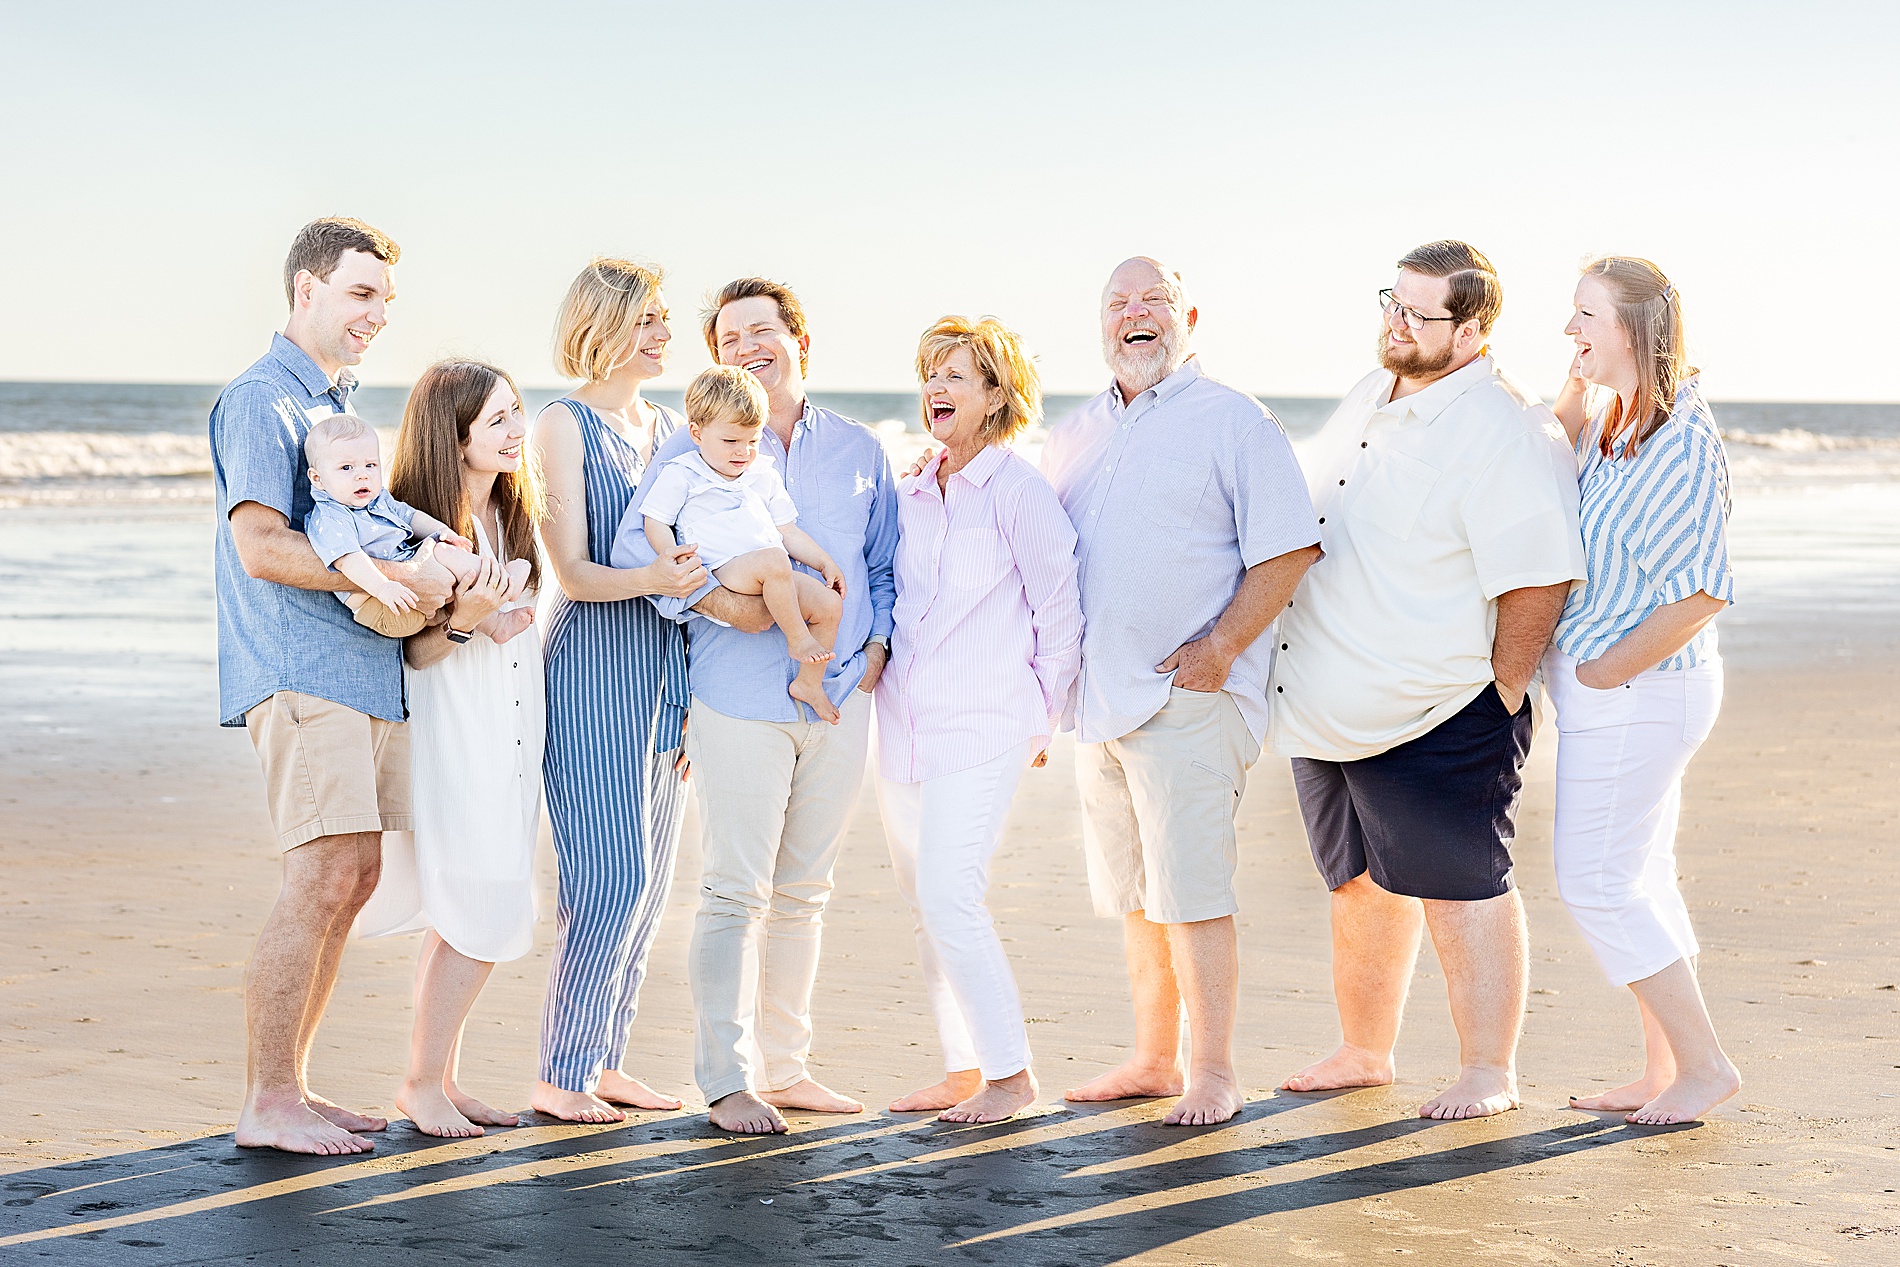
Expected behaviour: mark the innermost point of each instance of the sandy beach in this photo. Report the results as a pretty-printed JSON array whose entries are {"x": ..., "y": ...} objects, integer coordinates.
[{"x": 138, "y": 867}]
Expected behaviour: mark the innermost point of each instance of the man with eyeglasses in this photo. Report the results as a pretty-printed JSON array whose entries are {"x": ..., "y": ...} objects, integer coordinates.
[{"x": 1447, "y": 503}]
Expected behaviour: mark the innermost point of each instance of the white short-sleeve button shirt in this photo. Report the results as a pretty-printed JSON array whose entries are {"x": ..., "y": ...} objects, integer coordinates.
[{"x": 1429, "y": 508}]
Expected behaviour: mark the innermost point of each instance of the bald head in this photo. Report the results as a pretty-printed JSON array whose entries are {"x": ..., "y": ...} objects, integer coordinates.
[{"x": 1146, "y": 322}]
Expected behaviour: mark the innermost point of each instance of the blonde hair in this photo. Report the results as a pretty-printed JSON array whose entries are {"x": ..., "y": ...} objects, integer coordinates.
[
  {"x": 725, "y": 392},
  {"x": 593, "y": 335},
  {"x": 335, "y": 429},
  {"x": 1000, "y": 358},
  {"x": 427, "y": 474},
  {"x": 1650, "y": 312}
]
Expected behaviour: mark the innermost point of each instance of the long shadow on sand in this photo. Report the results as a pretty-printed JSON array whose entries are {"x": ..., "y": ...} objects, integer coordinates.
[{"x": 1066, "y": 1186}]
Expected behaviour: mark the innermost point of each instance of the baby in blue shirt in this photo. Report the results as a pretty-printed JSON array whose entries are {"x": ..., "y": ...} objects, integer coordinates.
[{"x": 355, "y": 520}]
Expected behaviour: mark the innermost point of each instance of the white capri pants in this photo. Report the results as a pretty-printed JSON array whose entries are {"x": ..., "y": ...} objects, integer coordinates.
[
  {"x": 1621, "y": 754},
  {"x": 943, "y": 833}
]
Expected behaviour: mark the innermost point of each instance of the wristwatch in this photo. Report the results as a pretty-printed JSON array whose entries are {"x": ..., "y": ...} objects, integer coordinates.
[
  {"x": 881, "y": 641},
  {"x": 457, "y": 636}
]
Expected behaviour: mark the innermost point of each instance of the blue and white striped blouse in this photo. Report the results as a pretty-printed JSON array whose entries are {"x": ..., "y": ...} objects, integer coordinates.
[{"x": 1655, "y": 529}]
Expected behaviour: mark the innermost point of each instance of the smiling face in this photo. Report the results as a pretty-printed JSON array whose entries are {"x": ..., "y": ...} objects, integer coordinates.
[
  {"x": 752, "y": 334},
  {"x": 1426, "y": 353},
  {"x": 651, "y": 333},
  {"x": 495, "y": 437},
  {"x": 340, "y": 316},
  {"x": 1604, "y": 353},
  {"x": 957, "y": 399},
  {"x": 1145, "y": 325},
  {"x": 349, "y": 470},
  {"x": 728, "y": 444}
]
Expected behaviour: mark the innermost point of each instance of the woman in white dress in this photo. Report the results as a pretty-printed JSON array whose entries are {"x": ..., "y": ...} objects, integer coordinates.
[{"x": 477, "y": 726}]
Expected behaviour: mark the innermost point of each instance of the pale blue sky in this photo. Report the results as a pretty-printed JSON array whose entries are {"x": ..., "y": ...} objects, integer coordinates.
[{"x": 898, "y": 161}]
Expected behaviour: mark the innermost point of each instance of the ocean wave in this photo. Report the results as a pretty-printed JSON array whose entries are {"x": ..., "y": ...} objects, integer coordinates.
[
  {"x": 1797, "y": 440},
  {"x": 68, "y": 455}
]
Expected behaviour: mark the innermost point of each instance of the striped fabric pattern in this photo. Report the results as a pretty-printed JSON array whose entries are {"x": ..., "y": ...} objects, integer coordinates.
[
  {"x": 616, "y": 677},
  {"x": 1655, "y": 529}
]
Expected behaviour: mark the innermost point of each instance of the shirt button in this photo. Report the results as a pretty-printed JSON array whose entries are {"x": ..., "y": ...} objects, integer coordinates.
[
  {"x": 1342, "y": 483},
  {"x": 1322, "y": 519},
  {"x": 1280, "y": 689},
  {"x": 1283, "y": 646},
  {"x": 1362, "y": 444}
]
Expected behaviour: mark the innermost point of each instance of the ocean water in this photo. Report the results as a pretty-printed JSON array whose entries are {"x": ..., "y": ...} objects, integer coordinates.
[{"x": 105, "y": 504}]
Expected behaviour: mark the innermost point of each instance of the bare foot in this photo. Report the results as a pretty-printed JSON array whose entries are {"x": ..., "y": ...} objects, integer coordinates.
[
  {"x": 1477, "y": 1093},
  {"x": 619, "y": 1088},
  {"x": 954, "y": 1089},
  {"x": 1135, "y": 1080},
  {"x": 1211, "y": 1099},
  {"x": 429, "y": 1108},
  {"x": 999, "y": 1099},
  {"x": 1348, "y": 1067},
  {"x": 517, "y": 572},
  {"x": 337, "y": 1115},
  {"x": 1624, "y": 1099},
  {"x": 812, "y": 1097},
  {"x": 743, "y": 1113},
  {"x": 475, "y": 1111},
  {"x": 1689, "y": 1097},
  {"x": 292, "y": 1126},
  {"x": 813, "y": 694},
  {"x": 503, "y": 625},
  {"x": 572, "y": 1106},
  {"x": 807, "y": 650}
]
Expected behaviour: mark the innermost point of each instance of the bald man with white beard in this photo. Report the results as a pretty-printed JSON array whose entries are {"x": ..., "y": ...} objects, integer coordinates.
[{"x": 1194, "y": 527}]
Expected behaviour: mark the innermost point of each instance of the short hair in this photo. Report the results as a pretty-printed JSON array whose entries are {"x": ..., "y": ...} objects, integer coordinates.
[
  {"x": 1000, "y": 358},
  {"x": 593, "y": 335},
  {"x": 790, "y": 311},
  {"x": 726, "y": 391},
  {"x": 320, "y": 244},
  {"x": 1475, "y": 289},
  {"x": 335, "y": 429}
]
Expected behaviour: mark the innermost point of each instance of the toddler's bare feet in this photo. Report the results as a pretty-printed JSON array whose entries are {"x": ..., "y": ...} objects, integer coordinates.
[
  {"x": 517, "y": 572},
  {"x": 954, "y": 1089},
  {"x": 812, "y": 693},
  {"x": 807, "y": 650},
  {"x": 503, "y": 625},
  {"x": 619, "y": 1088},
  {"x": 572, "y": 1106},
  {"x": 1000, "y": 1099},
  {"x": 429, "y": 1108}
]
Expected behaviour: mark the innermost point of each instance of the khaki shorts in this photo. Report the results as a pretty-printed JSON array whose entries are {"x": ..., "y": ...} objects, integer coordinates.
[
  {"x": 330, "y": 770},
  {"x": 1159, "y": 803}
]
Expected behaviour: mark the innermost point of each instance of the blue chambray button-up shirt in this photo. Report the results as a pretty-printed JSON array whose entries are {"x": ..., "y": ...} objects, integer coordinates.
[
  {"x": 840, "y": 481},
  {"x": 275, "y": 637}
]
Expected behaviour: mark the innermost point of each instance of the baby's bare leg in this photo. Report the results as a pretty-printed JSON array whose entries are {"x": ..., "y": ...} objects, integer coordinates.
[
  {"x": 768, "y": 573},
  {"x": 453, "y": 559},
  {"x": 823, "y": 610}
]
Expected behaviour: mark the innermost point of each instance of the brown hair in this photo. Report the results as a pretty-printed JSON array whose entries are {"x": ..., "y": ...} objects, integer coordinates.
[
  {"x": 790, "y": 311},
  {"x": 725, "y": 391},
  {"x": 1475, "y": 289},
  {"x": 593, "y": 335},
  {"x": 427, "y": 472},
  {"x": 1650, "y": 312},
  {"x": 1000, "y": 358},
  {"x": 321, "y": 243}
]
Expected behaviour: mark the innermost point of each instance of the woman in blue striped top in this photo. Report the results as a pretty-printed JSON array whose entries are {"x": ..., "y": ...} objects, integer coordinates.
[{"x": 1634, "y": 673}]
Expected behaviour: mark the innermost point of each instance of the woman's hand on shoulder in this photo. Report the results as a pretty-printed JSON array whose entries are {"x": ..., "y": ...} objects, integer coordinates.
[
  {"x": 923, "y": 460},
  {"x": 677, "y": 572}
]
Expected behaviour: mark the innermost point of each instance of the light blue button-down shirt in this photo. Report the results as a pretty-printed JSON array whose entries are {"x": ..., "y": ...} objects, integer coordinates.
[
  {"x": 840, "y": 481},
  {"x": 275, "y": 637},
  {"x": 1173, "y": 496}
]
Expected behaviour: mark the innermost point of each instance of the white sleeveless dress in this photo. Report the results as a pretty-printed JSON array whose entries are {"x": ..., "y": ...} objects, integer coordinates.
[{"x": 477, "y": 724}]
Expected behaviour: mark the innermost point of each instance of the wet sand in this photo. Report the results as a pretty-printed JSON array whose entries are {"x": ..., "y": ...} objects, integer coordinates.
[{"x": 137, "y": 867}]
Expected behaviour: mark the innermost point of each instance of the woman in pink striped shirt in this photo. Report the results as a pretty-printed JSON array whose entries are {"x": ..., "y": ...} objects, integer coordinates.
[{"x": 987, "y": 642}]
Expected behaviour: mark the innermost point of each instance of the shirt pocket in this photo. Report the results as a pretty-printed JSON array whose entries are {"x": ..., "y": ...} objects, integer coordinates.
[
  {"x": 1171, "y": 491},
  {"x": 1395, "y": 493},
  {"x": 974, "y": 559},
  {"x": 847, "y": 511}
]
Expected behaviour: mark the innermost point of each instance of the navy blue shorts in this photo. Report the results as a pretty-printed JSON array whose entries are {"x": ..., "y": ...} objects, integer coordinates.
[{"x": 1432, "y": 818}]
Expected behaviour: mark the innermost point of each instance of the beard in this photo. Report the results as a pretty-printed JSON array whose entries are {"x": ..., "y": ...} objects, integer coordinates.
[
  {"x": 1413, "y": 362},
  {"x": 1140, "y": 366}
]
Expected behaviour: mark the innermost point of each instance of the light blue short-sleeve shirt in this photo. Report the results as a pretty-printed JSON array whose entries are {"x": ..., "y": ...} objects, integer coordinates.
[
  {"x": 1173, "y": 497},
  {"x": 382, "y": 529},
  {"x": 275, "y": 637}
]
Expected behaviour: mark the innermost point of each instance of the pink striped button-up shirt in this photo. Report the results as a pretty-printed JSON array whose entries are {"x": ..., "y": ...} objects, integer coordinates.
[{"x": 988, "y": 633}]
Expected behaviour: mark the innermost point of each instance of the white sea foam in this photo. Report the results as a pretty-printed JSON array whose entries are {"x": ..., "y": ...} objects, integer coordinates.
[{"x": 1797, "y": 440}]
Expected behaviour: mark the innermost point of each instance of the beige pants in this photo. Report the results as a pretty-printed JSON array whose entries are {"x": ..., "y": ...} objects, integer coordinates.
[{"x": 774, "y": 799}]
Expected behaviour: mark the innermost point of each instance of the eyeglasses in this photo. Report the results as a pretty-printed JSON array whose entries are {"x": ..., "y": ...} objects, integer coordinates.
[{"x": 1389, "y": 304}]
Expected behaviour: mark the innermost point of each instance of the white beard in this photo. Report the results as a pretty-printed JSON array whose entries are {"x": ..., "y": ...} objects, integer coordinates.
[{"x": 1140, "y": 367}]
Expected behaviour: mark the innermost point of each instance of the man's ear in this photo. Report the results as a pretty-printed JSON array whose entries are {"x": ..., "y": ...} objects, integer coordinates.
[
  {"x": 1193, "y": 315},
  {"x": 300, "y": 287}
]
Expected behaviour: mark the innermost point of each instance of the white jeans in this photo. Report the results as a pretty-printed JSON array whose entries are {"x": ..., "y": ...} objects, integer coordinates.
[
  {"x": 943, "y": 833},
  {"x": 1621, "y": 754}
]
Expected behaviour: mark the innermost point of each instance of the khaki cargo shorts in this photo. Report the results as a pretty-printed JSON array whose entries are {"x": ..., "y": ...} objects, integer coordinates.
[
  {"x": 330, "y": 770},
  {"x": 1158, "y": 810}
]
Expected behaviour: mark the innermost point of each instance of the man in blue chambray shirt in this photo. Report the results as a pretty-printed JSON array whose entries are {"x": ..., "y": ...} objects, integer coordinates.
[
  {"x": 321, "y": 695},
  {"x": 776, "y": 788}
]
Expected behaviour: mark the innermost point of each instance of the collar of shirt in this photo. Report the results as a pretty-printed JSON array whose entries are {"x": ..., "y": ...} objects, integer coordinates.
[
  {"x": 1162, "y": 392},
  {"x": 377, "y": 505},
  {"x": 1428, "y": 404},
  {"x": 976, "y": 471},
  {"x": 693, "y": 459},
  {"x": 307, "y": 372}
]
